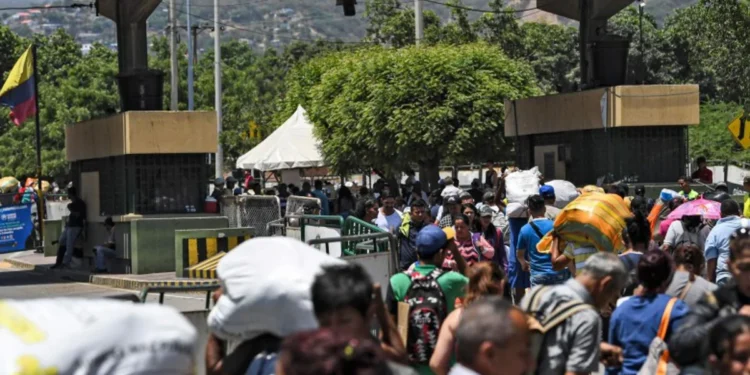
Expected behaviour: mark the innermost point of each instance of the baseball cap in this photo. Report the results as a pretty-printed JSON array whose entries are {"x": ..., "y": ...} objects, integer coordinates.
[
  {"x": 465, "y": 195},
  {"x": 430, "y": 240},
  {"x": 547, "y": 191},
  {"x": 452, "y": 199},
  {"x": 486, "y": 211}
]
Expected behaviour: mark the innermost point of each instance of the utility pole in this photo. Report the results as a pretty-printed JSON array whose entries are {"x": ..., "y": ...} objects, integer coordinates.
[
  {"x": 418, "y": 21},
  {"x": 217, "y": 80},
  {"x": 641, "y": 5},
  {"x": 173, "y": 54},
  {"x": 191, "y": 49}
]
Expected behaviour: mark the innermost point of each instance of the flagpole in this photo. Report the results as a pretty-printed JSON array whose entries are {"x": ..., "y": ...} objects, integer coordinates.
[{"x": 40, "y": 194}]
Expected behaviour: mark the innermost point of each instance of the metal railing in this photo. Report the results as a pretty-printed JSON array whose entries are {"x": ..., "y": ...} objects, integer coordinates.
[
  {"x": 378, "y": 239},
  {"x": 209, "y": 289},
  {"x": 353, "y": 227}
]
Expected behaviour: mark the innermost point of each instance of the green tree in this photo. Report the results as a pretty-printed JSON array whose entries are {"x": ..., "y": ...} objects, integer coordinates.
[
  {"x": 711, "y": 138},
  {"x": 552, "y": 50},
  {"x": 387, "y": 108},
  {"x": 655, "y": 57},
  {"x": 708, "y": 40}
]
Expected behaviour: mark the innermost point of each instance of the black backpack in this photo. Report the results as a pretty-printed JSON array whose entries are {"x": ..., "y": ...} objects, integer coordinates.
[{"x": 427, "y": 311}]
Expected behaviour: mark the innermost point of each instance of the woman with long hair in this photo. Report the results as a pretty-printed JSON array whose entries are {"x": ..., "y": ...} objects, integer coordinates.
[
  {"x": 470, "y": 211},
  {"x": 485, "y": 279},
  {"x": 687, "y": 283},
  {"x": 367, "y": 210},
  {"x": 638, "y": 320},
  {"x": 484, "y": 229},
  {"x": 470, "y": 250}
]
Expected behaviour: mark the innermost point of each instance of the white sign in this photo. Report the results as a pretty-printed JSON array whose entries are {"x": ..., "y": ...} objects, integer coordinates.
[{"x": 377, "y": 266}]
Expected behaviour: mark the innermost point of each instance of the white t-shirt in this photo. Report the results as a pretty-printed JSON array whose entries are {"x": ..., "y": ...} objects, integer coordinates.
[{"x": 389, "y": 223}]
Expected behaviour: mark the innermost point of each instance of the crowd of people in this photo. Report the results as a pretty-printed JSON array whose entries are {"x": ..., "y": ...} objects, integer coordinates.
[{"x": 476, "y": 296}]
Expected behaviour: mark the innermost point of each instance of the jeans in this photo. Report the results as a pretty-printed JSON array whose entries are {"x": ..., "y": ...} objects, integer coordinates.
[
  {"x": 68, "y": 239},
  {"x": 549, "y": 278},
  {"x": 102, "y": 253}
]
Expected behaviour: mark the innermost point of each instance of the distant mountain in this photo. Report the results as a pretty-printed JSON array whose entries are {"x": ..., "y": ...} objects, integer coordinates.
[{"x": 263, "y": 23}]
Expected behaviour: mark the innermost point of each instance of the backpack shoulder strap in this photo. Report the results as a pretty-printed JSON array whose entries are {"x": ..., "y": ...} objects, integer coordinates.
[
  {"x": 562, "y": 313},
  {"x": 536, "y": 229},
  {"x": 532, "y": 304},
  {"x": 664, "y": 325}
]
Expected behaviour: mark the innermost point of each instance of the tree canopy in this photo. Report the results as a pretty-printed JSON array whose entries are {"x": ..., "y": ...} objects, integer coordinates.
[
  {"x": 386, "y": 108},
  {"x": 398, "y": 91}
]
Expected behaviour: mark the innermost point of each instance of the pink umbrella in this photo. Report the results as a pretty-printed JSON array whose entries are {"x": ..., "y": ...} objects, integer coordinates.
[{"x": 699, "y": 207}]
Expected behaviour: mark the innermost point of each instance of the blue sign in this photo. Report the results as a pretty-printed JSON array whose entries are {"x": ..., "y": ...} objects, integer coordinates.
[{"x": 16, "y": 228}]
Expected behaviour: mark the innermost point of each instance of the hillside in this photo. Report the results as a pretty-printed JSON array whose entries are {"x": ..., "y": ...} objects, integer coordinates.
[{"x": 260, "y": 23}]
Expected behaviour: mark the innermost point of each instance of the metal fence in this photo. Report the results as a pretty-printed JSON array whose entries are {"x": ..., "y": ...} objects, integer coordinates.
[
  {"x": 255, "y": 211},
  {"x": 295, "y": 204}
]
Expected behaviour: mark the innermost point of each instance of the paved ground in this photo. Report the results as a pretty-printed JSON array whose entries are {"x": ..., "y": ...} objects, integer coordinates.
[{"x": 23, "y": 284}]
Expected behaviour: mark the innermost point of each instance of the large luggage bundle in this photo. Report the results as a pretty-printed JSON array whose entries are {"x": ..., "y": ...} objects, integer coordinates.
[
  {"x": 593, "y": 219},
  {"x": 266, "y": 285},
  {"x": 96, "y": 337}
]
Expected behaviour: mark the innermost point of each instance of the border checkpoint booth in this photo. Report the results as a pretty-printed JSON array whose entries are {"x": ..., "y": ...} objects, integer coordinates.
[
  {"x": 617, "y": 127},
  {"x": 145, "y": 167}
]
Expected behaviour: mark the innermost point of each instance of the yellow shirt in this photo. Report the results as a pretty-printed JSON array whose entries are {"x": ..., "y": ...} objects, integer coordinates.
[{"x": 746, "y": 210}]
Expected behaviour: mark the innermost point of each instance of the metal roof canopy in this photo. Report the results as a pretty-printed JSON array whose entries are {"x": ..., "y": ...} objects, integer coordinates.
[{"x": 599, "y": 9}]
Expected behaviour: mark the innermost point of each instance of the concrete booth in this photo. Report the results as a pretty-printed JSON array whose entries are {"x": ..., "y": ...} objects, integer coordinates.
[
  {"x": 635, "y": 133},
  {"x": 613, "y": 126},
  {"x": 145, "y": 167}
]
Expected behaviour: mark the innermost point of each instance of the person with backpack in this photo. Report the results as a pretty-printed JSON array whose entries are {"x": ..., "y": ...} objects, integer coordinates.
[
  {"x": 566, "y": 327},
  {"x": 638, "y": 322},
  {"x": 689, "y": 229},
  {"x": 429, "y": 293},
  {"x": 540, "y": 265}
]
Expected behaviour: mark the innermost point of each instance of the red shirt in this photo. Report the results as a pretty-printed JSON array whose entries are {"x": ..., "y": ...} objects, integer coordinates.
[{"x": 704, "y": 175}]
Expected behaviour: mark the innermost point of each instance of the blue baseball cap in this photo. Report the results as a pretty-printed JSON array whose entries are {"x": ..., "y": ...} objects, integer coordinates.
[
  {"x": 430, "y": 240},
  {"x": 547, "y": 191}
]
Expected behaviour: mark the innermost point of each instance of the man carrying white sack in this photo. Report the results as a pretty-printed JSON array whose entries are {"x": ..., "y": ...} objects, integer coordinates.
[
  {"x": 264, "y": 297},
  {"x": 97, "y": 337}
]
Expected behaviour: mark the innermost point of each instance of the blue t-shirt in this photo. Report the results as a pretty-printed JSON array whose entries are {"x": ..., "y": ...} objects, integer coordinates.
[
  {"x": 541, "y": 264},
  {"x": 634, "y": 325},
  {"x": 324, "y": 209},
  {"x": 717, "y": 244}
]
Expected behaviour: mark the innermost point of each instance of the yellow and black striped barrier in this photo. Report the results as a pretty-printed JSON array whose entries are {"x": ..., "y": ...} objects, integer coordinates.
[
  {"x": 205, "y": 269},
  {"x": 201, "y": 250}
]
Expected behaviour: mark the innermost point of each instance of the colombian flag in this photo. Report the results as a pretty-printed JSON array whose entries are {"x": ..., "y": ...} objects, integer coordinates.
[{"x": 18, "y": 92}]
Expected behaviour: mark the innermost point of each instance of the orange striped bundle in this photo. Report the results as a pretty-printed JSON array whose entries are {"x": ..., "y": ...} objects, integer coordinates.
[{"x": 594, "y": 219}]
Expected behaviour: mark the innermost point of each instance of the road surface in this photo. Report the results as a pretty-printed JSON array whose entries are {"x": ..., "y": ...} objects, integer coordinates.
[{"x": 24, "y": 284}]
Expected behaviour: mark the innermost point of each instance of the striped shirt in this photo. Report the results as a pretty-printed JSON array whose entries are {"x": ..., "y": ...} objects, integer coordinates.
[{"x": 579, "y": 255}]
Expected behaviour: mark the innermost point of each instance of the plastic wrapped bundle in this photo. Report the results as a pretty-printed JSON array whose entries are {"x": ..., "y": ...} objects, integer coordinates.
[
  {"x": 593, "y": 219},
  {"x": 8, "y": 184},
  {"x": 95, "y": 337},
  {"x": 565, "y": 192},
  {"x": 266, "y": 288},
  {"x": 521, "y": 185}
]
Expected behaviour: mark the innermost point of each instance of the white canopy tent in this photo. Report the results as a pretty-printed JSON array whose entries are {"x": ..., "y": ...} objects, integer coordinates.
[{"x": 291, "y": 146}]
